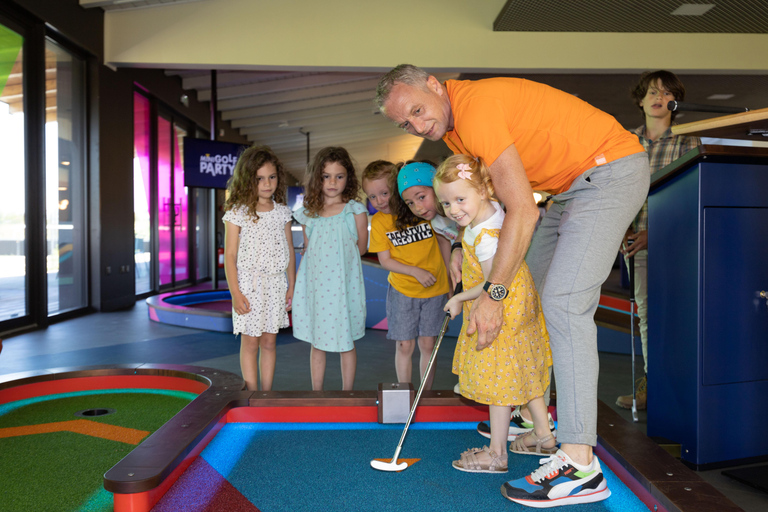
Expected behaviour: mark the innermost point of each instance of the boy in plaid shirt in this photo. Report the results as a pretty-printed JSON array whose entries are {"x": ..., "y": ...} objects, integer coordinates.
[{"x": 651, "y": 95}]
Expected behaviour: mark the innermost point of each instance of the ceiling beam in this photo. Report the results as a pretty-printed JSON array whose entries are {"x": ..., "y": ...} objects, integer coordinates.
[
  {"x": 339, "y": 137},
  {"x": 320, "y": 91},
  {"x": 323, "y": 124},
  {"x": 201, "y": 79},
  {"x": 277, "y": 86},
  {"x": 297, "y": 105},
  {"x": 298, "y": 117}
]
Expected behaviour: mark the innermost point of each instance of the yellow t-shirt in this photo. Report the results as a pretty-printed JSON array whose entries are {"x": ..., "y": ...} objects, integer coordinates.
[
  {"x": 415, "y": 246},
  {"x": 557, "y": 135}
]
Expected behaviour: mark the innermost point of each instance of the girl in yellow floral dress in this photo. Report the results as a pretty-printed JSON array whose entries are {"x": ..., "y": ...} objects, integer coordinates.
[{"x": 514, "y": 369}]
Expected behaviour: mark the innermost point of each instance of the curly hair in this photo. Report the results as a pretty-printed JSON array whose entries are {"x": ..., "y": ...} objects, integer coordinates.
[
  {"x": 649, "y": 79},
  {"x": 242, "y": 187},
  {"x": 313, "y": 185},
  {"x": 448, "y": 172}
]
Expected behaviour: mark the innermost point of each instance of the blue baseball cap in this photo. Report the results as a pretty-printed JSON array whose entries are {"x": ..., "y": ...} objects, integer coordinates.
[{"x": 414, "y": 174}]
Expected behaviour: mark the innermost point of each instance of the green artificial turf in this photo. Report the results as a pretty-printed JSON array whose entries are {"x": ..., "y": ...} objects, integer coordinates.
[{"x": 63, "y": 471}]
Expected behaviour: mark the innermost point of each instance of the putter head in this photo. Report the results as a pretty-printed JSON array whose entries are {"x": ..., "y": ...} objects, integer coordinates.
[{"x": 388, "y": 466}]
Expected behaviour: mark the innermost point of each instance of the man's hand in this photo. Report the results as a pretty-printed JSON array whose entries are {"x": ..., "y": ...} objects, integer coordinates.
[
  {"x": 634, "y": 242},
  {"x": 486, "y": 317}
]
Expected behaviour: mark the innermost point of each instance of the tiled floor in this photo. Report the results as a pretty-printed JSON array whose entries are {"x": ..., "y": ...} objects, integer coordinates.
[{"x": 130, "y": 337}]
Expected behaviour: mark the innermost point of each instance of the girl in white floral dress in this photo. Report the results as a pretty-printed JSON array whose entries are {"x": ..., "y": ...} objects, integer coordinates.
[{"x": 258, "y": 254}]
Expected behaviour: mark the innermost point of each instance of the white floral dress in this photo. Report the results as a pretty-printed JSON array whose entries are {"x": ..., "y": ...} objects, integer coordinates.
[{"x": 262, "y": 259}]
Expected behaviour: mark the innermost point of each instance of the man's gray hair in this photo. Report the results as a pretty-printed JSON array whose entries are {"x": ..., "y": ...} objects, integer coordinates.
[{"x": 402, "y": 74}]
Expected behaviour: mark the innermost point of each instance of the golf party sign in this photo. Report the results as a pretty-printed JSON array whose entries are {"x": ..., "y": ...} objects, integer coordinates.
[{"x": 208, "y": 163}]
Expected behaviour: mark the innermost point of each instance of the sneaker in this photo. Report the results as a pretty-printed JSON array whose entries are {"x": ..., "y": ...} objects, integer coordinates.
[
  {"x": 517, "y": 425},
  {"x": 641, "y": 391},
  {"x": 558, "y": 481}
]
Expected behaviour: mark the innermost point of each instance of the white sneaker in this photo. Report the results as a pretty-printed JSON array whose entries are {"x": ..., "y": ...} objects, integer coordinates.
[{"x": 558, "y": 481}]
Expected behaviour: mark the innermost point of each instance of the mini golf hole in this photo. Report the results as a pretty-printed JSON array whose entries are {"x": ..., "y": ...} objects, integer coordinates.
[{"x": 91, "y": 413}]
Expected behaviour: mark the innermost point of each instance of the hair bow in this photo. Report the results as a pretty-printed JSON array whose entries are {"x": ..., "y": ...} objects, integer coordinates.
[{"x": 464, "y": 171}]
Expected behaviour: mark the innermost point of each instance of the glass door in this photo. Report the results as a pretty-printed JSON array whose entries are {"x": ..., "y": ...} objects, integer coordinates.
[
  {"x": 43, "y": 200},
  {"x": 65, "y": 203},
  {"x": 13, "y": 246}
]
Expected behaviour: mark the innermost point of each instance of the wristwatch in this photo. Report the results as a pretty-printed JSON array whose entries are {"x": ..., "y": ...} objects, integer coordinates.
[{"x": 496, "y": 291}]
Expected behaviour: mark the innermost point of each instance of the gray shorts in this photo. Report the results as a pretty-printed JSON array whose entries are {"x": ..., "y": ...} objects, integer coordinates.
[{"x": 409, "y": 318}]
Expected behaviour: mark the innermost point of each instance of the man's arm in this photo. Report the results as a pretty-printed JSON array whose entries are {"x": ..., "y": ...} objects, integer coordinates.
[{"x": 514, "y": 190}]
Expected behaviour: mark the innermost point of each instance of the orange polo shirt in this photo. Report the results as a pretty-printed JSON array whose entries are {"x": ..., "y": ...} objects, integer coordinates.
[{"x": 557, "y": 135}]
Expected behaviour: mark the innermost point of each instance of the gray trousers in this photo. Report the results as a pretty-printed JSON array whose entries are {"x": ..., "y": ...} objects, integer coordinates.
[{"x": 571, "y": 255}]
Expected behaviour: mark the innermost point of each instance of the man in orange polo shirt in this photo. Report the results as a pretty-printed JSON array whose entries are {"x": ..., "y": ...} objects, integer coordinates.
[{"x": 536, "y": 137}]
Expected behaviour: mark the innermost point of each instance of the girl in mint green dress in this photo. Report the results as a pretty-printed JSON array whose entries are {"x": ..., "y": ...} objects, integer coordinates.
[{"x": 329, "y": 297}]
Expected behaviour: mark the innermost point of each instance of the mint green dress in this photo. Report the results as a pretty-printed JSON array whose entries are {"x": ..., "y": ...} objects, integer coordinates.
[{"x": 329, "y": 296}]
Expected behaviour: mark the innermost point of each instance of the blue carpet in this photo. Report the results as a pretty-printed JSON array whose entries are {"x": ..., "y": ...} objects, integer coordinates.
[{"x": 303, "y": 467}]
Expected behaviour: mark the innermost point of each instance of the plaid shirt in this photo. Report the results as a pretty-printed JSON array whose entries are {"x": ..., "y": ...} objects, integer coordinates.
[{"x": 661, "y": 153}]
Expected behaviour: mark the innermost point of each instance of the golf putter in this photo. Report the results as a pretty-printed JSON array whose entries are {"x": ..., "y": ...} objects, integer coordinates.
[
  {"x": 393, "y": 465},
  {"x": 632, "y": 330}
]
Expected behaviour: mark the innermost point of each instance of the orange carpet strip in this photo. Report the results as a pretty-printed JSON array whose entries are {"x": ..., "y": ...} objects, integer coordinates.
[{"x": 85, "y": 427}]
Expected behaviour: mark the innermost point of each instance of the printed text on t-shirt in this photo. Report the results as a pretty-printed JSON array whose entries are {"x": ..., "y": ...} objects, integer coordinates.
[{"x": 410, "y": 235}]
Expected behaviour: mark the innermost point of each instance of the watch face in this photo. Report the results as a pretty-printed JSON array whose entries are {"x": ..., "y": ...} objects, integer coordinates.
[{"x": 497, "y": 292}]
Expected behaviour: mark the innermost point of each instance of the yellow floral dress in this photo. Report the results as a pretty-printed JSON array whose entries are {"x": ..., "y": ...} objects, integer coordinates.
[{"x": 515, "y": 368}]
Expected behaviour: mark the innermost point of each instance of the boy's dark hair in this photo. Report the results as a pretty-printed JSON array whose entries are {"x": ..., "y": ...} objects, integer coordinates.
[
  {"x": 404, "y": 217},
  {"x": 648, "y": 79}
]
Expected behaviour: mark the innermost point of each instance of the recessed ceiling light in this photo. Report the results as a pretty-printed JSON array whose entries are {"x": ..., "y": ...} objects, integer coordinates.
[
  {"x": 692, "y": 9},
  {"x": 720, "y": 97}
]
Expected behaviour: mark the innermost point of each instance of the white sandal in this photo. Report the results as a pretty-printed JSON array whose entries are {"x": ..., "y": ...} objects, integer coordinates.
[{"x": 470, "y": 463}]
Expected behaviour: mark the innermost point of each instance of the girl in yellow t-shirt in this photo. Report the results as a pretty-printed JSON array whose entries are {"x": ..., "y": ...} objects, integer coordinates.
[{"x": 418, "y": 282}]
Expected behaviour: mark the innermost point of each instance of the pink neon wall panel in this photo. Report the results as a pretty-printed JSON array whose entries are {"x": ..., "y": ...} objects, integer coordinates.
[
  {"x": 180, "y": 229},
  {"x": 165, "y": 206}
]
